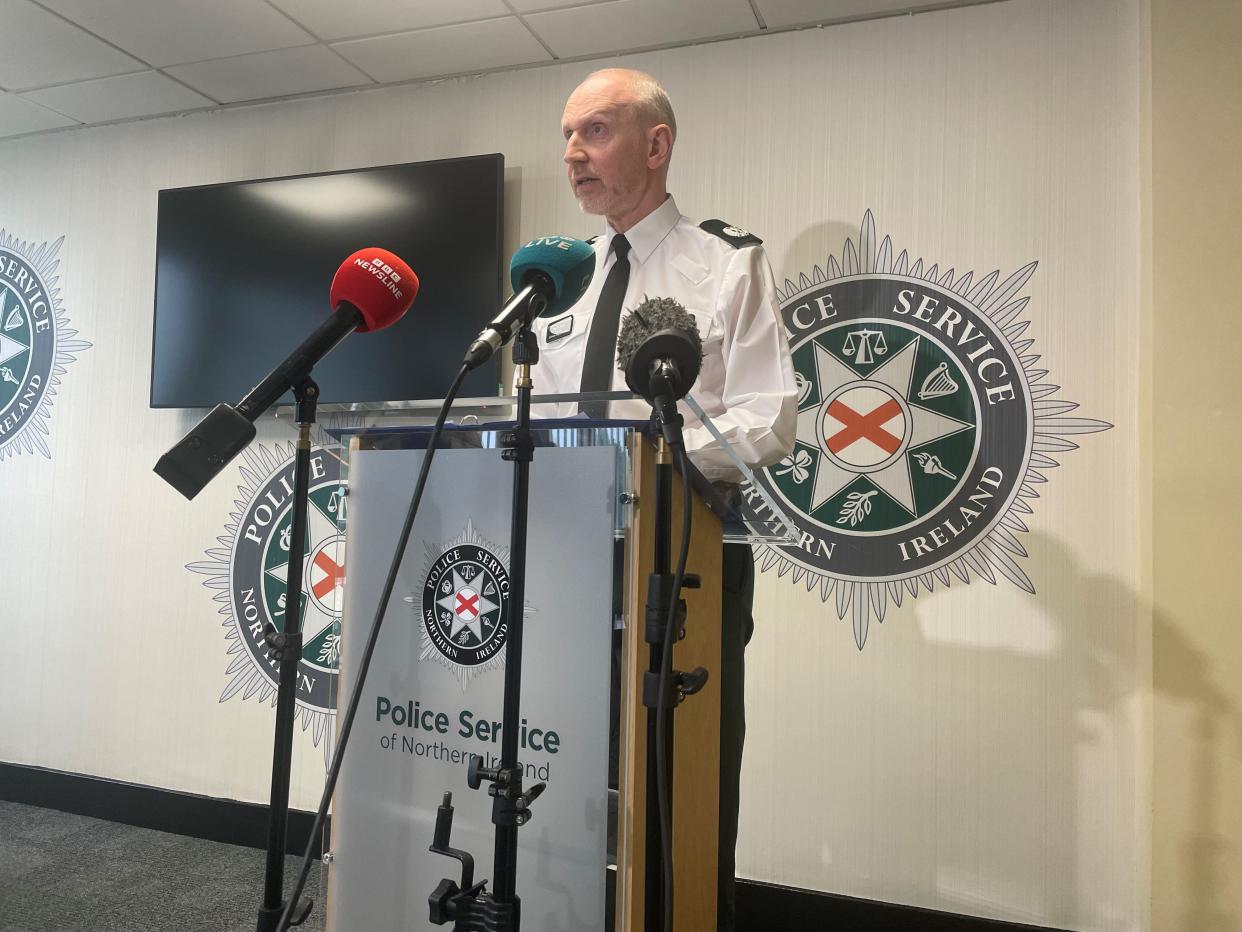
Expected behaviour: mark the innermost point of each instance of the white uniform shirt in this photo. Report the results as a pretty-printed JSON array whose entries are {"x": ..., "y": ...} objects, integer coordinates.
[{"x": 746, "y": 385}]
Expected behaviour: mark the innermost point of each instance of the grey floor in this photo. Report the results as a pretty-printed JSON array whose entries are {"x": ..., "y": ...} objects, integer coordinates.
[{"x": 70, "y": 873}]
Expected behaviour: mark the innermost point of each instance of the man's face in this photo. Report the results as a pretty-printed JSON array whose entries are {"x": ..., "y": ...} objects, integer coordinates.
[{"x": 605, "y": 148}]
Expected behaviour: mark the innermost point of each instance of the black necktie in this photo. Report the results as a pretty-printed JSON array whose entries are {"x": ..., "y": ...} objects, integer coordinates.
[{"x": 601, "y": 350}]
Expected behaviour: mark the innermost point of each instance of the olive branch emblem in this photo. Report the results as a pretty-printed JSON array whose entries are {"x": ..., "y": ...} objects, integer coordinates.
[
  {"x": 330, "y": 650},
  {"x": 857, "y": 507}
]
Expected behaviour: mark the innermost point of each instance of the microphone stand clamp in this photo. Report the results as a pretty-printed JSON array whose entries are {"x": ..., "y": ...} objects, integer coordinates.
[
  {"x": 664, "y": 390},
  {"x": 659, "y": 590}
]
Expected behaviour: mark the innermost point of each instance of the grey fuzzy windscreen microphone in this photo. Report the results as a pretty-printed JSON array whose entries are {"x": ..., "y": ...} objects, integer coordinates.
[{"x": 659, "y": 336}]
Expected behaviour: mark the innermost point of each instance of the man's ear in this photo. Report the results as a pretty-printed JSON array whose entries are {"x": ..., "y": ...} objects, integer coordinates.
[{"x": 659, "y": 145}]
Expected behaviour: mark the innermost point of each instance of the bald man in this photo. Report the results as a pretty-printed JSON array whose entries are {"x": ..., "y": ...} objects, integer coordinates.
[{"x": 619, "y": 132}]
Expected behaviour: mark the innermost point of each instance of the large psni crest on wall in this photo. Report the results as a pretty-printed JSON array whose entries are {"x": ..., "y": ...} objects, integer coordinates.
[
  {"x": 36, "y": 343},
  {"x": 249, "y": 573},
  {"x": 925, "y": 427}
]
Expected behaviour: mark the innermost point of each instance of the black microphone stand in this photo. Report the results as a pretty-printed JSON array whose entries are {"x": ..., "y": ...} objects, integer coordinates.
[
  {"x": 286, "y": 648},
  {"x": 663, "y": 687},
  {"x": 659, "y": 589},
  {"x": 467, "y": 905},
  {"x": 192, "y": 463}
]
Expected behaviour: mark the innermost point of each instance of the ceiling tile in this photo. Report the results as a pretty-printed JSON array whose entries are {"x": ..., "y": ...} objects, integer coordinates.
[
  {"x": 778, "y": 13},
  {"x": 38, "y": 48},
  {"x": 270, "y": 74},
  {"x": 495, "y": 43},
  {"x": 334, "y": 19},
  {"x": 633, "y": 24},
  {"x": 22, "y": 116},
  {"x": 172, "y": 32},
  {"x": 530, "y": 6},
  {"x": 131, "y": 95}
]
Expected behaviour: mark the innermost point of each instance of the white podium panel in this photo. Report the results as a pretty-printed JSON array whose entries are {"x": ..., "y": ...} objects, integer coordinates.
[{"x": 434, "y": 692}]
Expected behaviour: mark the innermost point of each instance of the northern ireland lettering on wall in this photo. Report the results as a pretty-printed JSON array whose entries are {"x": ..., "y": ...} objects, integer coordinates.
[
  {"x": 36, "y": 343},
  {"x": 925, "y": 426},
  {"x": 249, "y": 570}
]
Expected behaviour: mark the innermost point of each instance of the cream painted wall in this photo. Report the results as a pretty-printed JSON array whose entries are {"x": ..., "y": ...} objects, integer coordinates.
[
  {"x": 1194, "y": 216},
  {"x": 982, "y": 753}
]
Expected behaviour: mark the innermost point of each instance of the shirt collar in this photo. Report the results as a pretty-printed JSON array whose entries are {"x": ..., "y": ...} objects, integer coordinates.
[{"x": 649, "y": 232}]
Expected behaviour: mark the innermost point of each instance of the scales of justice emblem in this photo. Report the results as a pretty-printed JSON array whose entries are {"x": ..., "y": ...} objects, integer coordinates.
[
  {"x": 36, "y": 343},
  {"x": 925, "y": 425}
]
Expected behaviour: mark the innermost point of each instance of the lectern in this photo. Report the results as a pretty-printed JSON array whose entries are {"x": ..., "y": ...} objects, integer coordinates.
[{"x": 433, "y": 695}]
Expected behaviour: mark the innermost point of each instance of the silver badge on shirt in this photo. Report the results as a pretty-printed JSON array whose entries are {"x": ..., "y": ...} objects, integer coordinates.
[{"x": 560, "y": 328}]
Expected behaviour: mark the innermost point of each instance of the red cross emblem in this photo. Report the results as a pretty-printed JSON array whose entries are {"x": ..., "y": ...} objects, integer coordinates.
[
  {"x": 867, "y": 426},
  {"x": 467, "y": 604},
  {"x": 333, "y": 575}
]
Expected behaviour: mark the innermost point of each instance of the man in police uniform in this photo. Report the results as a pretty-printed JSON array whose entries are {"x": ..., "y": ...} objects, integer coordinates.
[{"x": 619, "y": 131}]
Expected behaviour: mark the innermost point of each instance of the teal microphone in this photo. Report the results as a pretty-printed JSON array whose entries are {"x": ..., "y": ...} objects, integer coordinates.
[{"x": 548, "y": 275}]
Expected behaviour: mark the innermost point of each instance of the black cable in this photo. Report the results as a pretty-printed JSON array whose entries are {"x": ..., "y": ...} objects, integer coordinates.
[
  {"x": 338, "y": 754},
  {"x": 664, "y": 779}
]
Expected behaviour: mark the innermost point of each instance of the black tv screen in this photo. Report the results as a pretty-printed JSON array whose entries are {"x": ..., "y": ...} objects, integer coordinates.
[{"x": 243, "y": 272}]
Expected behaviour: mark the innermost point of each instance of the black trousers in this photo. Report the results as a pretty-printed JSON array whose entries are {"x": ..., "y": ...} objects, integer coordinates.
[{"x": 737, "y": 626}]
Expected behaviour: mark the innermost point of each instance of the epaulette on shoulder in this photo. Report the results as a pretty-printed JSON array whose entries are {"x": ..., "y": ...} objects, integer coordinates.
[{"x": 734, "y": 236}]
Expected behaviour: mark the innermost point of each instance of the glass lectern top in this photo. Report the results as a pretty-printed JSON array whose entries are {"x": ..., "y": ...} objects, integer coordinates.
[{"x": 473, "y": 425}]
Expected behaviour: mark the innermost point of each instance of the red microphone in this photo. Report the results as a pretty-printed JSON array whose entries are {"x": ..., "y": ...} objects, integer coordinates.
[
  {"x": 376, "y": 283},
  {"x": 371, "y": 289}
]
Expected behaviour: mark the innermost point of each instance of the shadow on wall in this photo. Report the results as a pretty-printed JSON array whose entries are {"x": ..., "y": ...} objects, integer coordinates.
[
  {"x": 1087, "y": 646},
  {"x": 1184, "y": 672},
  {"x": 808, "y": 249}
]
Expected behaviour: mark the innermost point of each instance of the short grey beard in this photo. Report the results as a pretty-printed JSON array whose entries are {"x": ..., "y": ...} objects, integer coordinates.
[{"x": 594, "y": 213}]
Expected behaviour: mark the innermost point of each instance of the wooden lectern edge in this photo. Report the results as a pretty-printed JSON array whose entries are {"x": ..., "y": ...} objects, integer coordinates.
[{"x": 696, "y": 778}]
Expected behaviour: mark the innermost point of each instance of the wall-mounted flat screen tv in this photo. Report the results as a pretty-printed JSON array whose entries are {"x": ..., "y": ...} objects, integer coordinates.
[{"x": 243, "y": 271}]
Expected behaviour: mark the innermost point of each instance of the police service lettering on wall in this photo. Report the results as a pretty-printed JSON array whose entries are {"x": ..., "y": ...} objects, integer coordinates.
[
  {"x": 925, "y": 426},
  {"x": 36, "y": 343}
]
